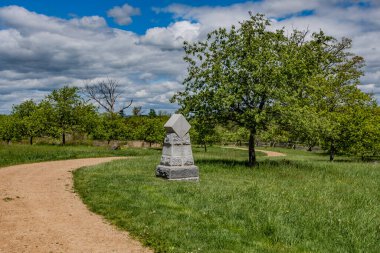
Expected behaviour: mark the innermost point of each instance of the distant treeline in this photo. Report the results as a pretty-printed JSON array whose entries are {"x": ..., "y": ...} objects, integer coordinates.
[{"x": 64, "y": 112}]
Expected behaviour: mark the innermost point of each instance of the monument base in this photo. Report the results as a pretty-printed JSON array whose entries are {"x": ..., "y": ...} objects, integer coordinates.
[{"x": 178, "y": 173}]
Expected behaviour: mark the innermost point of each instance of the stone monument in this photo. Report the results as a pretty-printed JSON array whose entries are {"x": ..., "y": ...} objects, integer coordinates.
[{"x": 177, "y": 161}]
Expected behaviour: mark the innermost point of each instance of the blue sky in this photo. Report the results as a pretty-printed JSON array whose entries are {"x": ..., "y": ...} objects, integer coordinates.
[
  {"x": 147, "y": 19},
  {"x": 45, "y": 45}
]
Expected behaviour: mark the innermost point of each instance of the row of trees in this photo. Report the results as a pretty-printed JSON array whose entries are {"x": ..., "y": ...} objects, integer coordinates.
[
  {"x": 246, "y": 82},
  {"x": 64, "y": 112},
  {"x": 301, "y": 86},
  {"x": 61, "y": 112}
]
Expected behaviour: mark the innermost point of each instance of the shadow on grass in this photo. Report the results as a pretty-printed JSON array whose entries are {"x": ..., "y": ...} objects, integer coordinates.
[
  {"x": 346, "y": 158},
  {"x": 356, "y": 160}
]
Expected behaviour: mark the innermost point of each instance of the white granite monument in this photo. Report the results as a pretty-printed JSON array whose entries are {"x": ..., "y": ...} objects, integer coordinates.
[{"x": 177, "y": 161}]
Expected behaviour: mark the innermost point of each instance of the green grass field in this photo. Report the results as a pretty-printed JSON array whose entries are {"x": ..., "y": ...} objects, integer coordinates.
[
  {"x": 298, "y": 203},
  {"x": 18, "y": 154}
]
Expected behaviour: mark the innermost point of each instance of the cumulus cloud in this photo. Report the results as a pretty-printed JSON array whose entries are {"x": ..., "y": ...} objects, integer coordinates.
[
  {"x": 122, "y": 15},
  {"x": 39, "y": 53},
  {"x": 173, "y": 36},
  {"x": 141, "y": 94},
  {"x": 209, "y": 17},
  {"x": 357, "y": 20}
]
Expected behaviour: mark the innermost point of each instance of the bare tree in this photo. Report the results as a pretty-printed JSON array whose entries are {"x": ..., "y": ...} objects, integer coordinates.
[{"x": 106, "y": 94}]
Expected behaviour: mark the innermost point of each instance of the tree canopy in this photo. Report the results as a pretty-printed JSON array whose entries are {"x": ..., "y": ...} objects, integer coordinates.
[
  {"x": 69, "y": 111},
  {"x": 256, "y": 77}
]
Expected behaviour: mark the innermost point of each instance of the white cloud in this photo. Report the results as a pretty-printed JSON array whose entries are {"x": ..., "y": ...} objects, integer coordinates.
[
  {"x": 141, "y": 94},
  {"x": 39, "y": 53},
  {"x": 339, "y": 18},
  {"x": 286, "y": 7},
  {"x": 211, "y": 18},
  {"x": 122, "y": 15},
  {"x": 89, "y": 22},
  {"x": 146, "y": 76},
  {"x": 370, "y": 88},
  {"x": 48, "y": 53},
  {"x": 173, "y": 36}
]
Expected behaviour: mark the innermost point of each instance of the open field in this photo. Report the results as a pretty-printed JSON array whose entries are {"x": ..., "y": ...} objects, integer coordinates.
[{"x": 297, "y": 203}]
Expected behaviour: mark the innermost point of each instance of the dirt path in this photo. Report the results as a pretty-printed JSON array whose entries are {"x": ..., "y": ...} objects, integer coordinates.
[
  {"x": 268, "y": 153},
  {"x": 40, "y": 213}
]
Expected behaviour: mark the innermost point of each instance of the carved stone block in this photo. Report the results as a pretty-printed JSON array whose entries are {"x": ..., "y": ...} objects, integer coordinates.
[{"x": 177, "y": 161}]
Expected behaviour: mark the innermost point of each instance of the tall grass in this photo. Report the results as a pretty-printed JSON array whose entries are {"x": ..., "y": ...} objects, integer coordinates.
[{"x": 298, "y": 203}]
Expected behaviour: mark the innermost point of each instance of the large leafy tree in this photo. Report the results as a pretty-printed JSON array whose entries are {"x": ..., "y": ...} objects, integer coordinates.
[
  {"x": 237, "y": 75},
  {"x": 324, "y": 91},
  {"x": 357, "y": 130},
  {"x": 258, "y": 78},
  {"x": 330, "y": 94}
]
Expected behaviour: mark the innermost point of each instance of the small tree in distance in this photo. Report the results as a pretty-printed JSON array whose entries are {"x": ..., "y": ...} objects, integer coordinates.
[
  {"x": 152, "y": 113},
  {"x": 69, "y": 111},
  {"x": 137, "y": 111},
  {"x": 33, "y": 118},
  {"x": 9, "y": 128}
]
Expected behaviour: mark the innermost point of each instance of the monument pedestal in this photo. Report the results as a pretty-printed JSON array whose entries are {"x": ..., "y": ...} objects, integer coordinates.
[
  {"x": 178, "y": 173},
  {"x": 177, "y": 161}
]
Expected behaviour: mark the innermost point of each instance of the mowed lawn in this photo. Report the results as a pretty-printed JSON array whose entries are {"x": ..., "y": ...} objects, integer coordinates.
[{"x": 297, "y": 203}]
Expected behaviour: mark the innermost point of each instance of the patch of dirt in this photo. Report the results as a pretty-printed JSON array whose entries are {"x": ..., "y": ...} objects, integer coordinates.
[
  {"x": 268, "y": 153},
  {"x": 39, "y": 212},
  {"x": 271, "y": 153}
]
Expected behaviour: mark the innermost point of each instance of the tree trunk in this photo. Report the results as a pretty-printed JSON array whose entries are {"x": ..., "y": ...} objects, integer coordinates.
[
  {"x": 310, "y": 149},
  {"x": 251, "y": 150},
  {"x": 31, "y": 140},
  {"x": 63, "y": 138},
  {"x": 205, "y": 146},
  {"x": 332, "y": 152}
]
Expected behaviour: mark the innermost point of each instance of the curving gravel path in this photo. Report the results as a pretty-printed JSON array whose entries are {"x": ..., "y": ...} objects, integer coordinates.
[{"x": 40, "y": 213}]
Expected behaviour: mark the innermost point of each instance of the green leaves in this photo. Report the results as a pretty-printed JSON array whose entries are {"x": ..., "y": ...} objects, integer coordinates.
[
  {"x": 34, "y": 118},
  {"x": 9, "y": 128},
  {"x": 69, "y": 112},
  {"x": 260, "y": 78}
]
